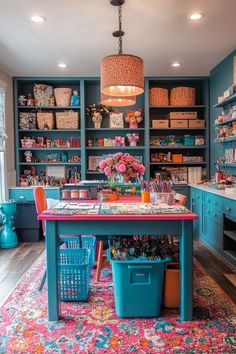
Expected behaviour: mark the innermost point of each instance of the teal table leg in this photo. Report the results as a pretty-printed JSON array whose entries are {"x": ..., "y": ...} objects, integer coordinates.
[
  {"x": 52, "y": 273},
  {"x": 186, "y": 276}
]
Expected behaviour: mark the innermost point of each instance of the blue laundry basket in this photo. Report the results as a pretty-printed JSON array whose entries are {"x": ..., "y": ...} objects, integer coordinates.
[
  {"x": 87, "y": 241},
  {"x": 138, "y": 287}
]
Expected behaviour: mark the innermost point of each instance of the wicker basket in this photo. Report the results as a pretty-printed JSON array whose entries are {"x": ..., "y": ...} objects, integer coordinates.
[
  {"x": 67, "y": 120},
  {"x": 183, "y": 96},
  {"x": 45, "y": 120},
  {"x": 158, "y": 97},
  {"x": 62, "y": 96}
]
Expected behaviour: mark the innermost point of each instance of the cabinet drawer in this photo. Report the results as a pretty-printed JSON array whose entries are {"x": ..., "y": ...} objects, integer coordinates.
[
  {"x": 21, "y": 194},
  {"x": 230, "y": 208},
  {"x": 213, "y": 201},
  {"x": 52, "y": 193},
  {"x": 214, "y": 214}
]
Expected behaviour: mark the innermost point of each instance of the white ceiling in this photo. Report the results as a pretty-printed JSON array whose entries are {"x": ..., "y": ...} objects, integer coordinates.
[{"x": 79, "y": 32}]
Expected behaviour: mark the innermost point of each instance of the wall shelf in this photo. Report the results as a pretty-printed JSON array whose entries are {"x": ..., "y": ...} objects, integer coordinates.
[
  {"x": 179, "y": 163},
  {"x": 226, "y": 101},
  {"x": 50, "y": 149},
  {"x": 49, "y": 163},
  {"x": 38, "y": 108},
  {"x": 115, "y": 147},
  {"x": 225, "y": 122},
  {"x": 178, "y": 147},
  {"x": 182, "y": 107}
]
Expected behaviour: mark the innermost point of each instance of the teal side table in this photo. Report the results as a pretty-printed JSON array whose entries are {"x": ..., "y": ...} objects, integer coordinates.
[{"x": 8, "y": 237}]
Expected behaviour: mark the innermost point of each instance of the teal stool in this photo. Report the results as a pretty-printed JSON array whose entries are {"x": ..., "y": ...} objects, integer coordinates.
[{"x": 8, "y": 237}]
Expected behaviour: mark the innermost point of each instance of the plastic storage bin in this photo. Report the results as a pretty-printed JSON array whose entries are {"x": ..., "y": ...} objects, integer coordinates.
[
  {"x": 138, "y": 287},
  {"x": 74, "y": 273}
]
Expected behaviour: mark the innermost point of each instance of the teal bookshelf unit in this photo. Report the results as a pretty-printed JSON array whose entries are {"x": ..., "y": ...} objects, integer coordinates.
[
  {"x": 152, "y": 113},
  {"x": 89, "y": 149}
]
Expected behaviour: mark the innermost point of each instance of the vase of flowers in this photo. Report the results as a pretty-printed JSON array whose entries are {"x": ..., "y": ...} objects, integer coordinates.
[
  {"x": 96, "y": 112},
  {"x": 121, "y": 167}
]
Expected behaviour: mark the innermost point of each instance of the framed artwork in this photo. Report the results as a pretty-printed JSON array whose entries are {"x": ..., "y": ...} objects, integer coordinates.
[
  {"x": 93, "y": 162},
  {"x": 116, "y": 120},
  {"x": 56, "y": 171}
]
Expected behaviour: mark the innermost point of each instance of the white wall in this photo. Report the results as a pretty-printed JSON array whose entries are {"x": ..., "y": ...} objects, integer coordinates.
[{"x": 10, "y": 144}]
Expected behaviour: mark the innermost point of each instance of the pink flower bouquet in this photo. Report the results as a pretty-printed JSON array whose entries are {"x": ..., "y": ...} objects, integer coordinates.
[{"x": 121, "y": 164}]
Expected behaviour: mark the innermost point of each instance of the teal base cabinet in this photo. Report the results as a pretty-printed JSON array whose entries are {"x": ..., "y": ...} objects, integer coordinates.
[
  {"x": 216, "y": 224},
  {"x": 28, "y": 228}
]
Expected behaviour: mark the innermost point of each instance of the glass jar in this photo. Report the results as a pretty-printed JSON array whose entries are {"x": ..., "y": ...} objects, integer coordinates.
[
  {"x": 74, "y": 194},
  {"x": 83, "y": 194}
]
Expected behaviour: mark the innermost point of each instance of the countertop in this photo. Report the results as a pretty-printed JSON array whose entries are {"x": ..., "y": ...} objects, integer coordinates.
[{"x": 222, "y": 193}]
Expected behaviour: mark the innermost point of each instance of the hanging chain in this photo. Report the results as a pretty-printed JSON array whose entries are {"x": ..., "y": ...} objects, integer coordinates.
[{"x": 120, "y": 30}]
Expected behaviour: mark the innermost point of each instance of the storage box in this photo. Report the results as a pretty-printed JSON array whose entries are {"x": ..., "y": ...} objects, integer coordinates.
[
  {"x": 177, "y": 158},
  {"x": 164, "y": 123},
  {"x": 196, "y": 123},
  {"x": 178, "y": 123},
  {"x": 189, "y": 140},
  {"x": 183, "y": 115},
  {"x": 138, "y": 287},
  {"x": 171, "y": 296},
  {"x": 162, "y": 198}
]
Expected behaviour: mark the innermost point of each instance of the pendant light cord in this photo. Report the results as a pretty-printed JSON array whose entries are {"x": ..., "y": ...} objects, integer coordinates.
[{"x": 120, "y": 31}]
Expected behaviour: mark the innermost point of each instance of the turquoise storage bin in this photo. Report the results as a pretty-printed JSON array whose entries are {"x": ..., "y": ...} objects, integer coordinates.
[
  {"x": 74, "y": 270},
  {"x": 138, "y": 287}
]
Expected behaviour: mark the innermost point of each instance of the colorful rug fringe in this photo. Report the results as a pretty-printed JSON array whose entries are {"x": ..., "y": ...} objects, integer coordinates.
[{"x": 93, "y": 327}]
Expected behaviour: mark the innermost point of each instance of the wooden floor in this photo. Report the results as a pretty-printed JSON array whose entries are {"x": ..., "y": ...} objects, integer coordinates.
[{"x": 14, "y": 262}]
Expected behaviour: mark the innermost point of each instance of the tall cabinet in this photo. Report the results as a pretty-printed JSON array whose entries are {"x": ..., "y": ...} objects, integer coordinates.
[{"x": 92, "y": 144}]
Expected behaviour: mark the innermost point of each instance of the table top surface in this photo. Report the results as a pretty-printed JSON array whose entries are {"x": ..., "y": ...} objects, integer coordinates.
[{"x": 126, "y": 208}]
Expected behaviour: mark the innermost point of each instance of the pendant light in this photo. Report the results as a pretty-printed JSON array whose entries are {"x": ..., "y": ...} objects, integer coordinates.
[{"x": 121, "y": 74}]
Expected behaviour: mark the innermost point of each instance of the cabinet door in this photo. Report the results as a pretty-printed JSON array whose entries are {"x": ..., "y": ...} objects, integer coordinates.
[{"x": 213, "y": 235}]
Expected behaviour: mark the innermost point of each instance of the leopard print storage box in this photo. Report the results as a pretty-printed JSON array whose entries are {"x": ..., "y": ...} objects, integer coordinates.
[
  {"x": 183, "y": 96},
  {"x": 158, "y": 97}
]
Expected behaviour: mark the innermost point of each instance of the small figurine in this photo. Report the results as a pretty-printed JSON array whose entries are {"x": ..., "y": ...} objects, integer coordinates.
[
  {"x": 75, "y": 99},
  {"x": 28, "y": 156},
  {"x": 134, "y": 118}
]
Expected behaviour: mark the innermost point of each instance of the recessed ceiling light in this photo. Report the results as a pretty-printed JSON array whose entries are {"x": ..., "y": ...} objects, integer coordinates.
[
  {"x": 196, "y": 16},
  {"x": 37, "y": 18},
  {"x": 175, "y": 64},
  {"x": 62, "y": 65}
]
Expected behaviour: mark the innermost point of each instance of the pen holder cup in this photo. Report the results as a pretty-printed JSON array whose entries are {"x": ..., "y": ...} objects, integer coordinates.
[
  {"x": 162, "y": 198},
  {"x": 145, "y": 196}
]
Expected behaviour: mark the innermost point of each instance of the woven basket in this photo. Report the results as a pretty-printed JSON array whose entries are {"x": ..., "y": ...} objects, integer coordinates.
[
  {"x": 158, "y": 97},
  {"x": 45, "y": 120},
  {"x": 67, "y": 120},
  {"x": 62, "y": 96},
  {"x": 183, "y": 96}
]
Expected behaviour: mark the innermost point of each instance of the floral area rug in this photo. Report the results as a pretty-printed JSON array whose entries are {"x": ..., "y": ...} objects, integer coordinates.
[{"x": 93, "y": 327}]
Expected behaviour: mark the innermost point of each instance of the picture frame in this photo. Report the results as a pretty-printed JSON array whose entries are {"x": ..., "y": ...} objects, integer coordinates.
[
  {"x": 93, "y": 162},
  {"x": 56, "y": 171},
  {"x": 116, "y": 120}
]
